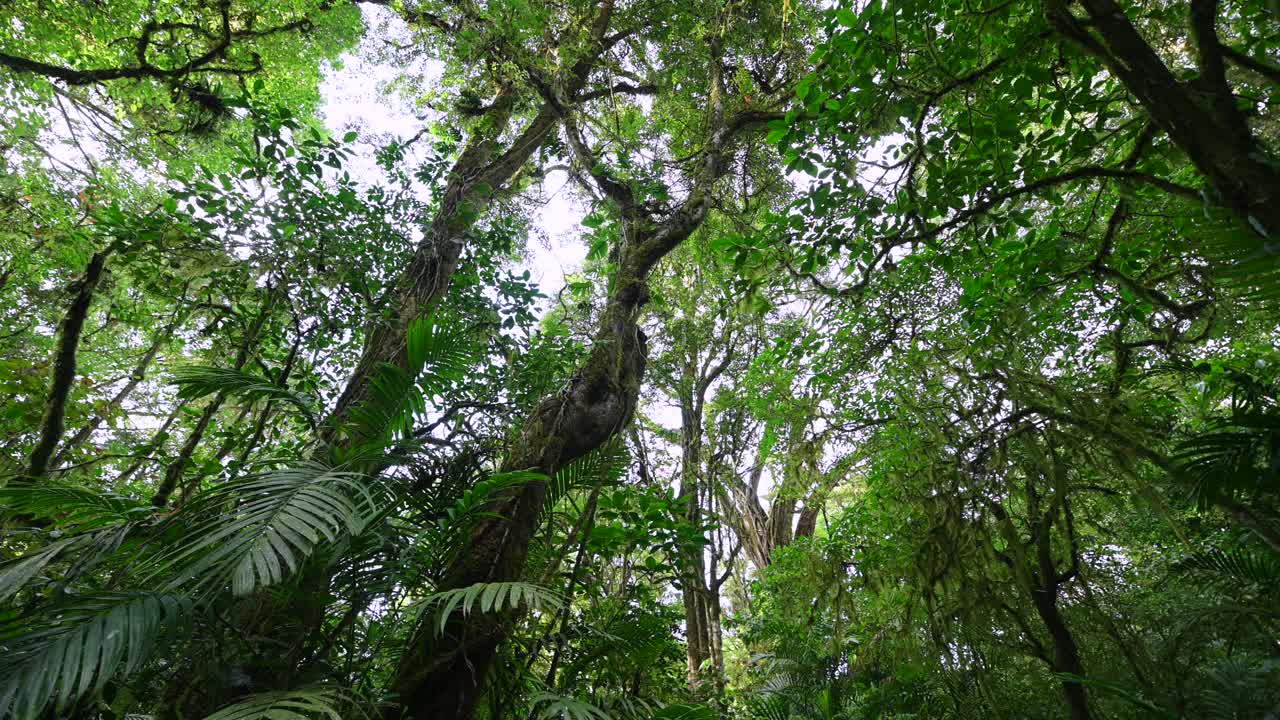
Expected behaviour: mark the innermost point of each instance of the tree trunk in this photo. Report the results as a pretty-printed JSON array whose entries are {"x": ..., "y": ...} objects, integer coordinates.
[
  {"x": 479, "y": 174},
  {"x": 442, "y": 675},
  {"x": 63, "y": 375},
  {"x": 716, "y": 637},
  {"x": 692, "y": 565},
  {"x": 1212, "y": 132},
  {"x": 1066, "y": 653}
]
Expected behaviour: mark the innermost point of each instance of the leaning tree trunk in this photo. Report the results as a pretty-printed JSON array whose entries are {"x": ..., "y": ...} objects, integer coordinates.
[
  {"x": 480, "y": 174},
  {"x": 484, "y": 170},
  {"x": 442, "y": 674},
  {"x": 63, "y": 375},
  {"x": 1200, "y": 116}
]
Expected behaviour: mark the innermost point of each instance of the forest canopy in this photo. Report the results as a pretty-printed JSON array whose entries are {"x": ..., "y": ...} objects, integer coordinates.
[{"x": 639, "y": 359}]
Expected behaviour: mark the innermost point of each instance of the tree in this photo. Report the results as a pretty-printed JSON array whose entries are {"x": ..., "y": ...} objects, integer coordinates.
[{"x": 920, "y": 362}]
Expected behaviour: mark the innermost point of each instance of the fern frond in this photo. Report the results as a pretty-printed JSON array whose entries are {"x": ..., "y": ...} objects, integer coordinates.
[
  {"x": 199, "y": 381},
  {"x": 77, "y": 647}
]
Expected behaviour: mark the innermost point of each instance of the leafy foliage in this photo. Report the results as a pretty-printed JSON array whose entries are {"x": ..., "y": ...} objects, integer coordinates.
[
  {"x": 492, "y": 597},
  {"x": 80, "y": 648},
  {"x": 258, "y": 530},
  {"x": 919, "y": 360},
  {"x": 303, "y": 704}
]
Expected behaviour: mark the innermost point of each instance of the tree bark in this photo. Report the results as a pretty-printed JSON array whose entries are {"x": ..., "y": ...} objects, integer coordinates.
[
  {"x": 1212, "y": 132},
  {"x": 442, "y": 675},
  {"x": 63, "y": 375},
  {"x": 479, "y": 174}
]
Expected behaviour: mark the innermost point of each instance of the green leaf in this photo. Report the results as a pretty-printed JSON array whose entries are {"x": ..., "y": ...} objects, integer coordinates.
[
  {"x": 80, "y": 644},
  {"x": 492, "y": 597},
  {"x": 301, "y": 704}
]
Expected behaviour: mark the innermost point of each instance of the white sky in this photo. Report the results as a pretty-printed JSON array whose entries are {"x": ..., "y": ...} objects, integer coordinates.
[{"x": 358, "y": 96}]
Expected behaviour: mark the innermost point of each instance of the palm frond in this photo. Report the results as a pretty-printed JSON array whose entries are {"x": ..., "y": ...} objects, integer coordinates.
[
  {"x": 1229, "y": 463},
  {"x": 257, "y": 530},
  {"x": 1237, "y": 564},
  {"x": 84, "y": 551},
  {"x": 548, "y": 705},
  {"x": 606, "y": 464},
  {"x": 301, "y": 704},
  {"x": 437, "y": 354},
  {"x": 450, "y": 530},
  {"x": 1243, "y": 262},
  {"x": 73, "y": 508},
  {"x": 1237, "y": 688},
  {"x": 474, "y": 501},
  {"x": 493, "y": 597},
  {"x": 16, "y": 573},
  {"x": 199, "y": 381},
  {"x": 769, "y": 707},
  {"x": 78, "y": 646}
]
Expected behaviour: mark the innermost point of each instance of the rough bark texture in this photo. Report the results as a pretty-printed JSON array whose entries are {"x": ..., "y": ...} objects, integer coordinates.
[
  {"x": 479, "y": 174},
  {"x": 1200, "y": 117},
  {"x": 63, "y": 375},
  {"x": 426, "y": 278},
  {"x": 442, "y": 675}
]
